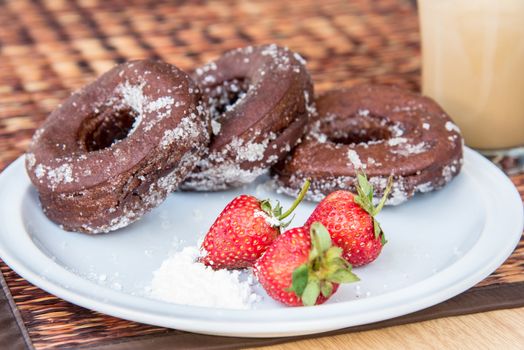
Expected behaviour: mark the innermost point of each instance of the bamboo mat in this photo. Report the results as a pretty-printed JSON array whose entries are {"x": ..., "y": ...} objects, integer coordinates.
[{"x": 50, "y": 48}]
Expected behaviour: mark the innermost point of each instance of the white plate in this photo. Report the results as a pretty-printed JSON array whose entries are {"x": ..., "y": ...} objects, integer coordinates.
[{"x": 440, "y": 244}]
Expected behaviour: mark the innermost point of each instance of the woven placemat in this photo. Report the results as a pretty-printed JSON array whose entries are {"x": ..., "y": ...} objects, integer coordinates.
[{"x": 50, "y": 48}]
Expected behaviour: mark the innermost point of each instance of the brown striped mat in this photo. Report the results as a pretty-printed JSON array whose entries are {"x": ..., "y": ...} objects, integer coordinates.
[{"x": 49, "y": 48}]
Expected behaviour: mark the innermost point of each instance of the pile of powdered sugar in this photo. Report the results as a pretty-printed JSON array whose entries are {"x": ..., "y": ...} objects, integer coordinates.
[{"x": 182, "y": 280}]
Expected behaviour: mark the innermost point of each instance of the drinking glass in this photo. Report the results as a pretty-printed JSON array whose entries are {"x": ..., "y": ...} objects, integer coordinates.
[{"x": 473, "y": 65}]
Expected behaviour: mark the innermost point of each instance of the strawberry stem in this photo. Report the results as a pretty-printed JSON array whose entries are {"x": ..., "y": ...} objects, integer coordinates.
[
  {"x": 297, "y": 201},
  {"x": 380, "y": 205},
  {"x": 364, "y": 198}
]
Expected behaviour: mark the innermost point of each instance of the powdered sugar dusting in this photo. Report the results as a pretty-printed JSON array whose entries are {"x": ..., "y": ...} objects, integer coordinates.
[
  {"x": 407, "y": 149},
  {"x": 209, "y": 67},
  {"x": 182, "y": 280},
  {"x": 224, "y": 97},
  {"x": 397, "y": 141},
  {"x": 187, "y": 128},
  {"x": 222, "y": 168},
  {"x": 316, "y": 134},
  {"x": 354, "y": 159},
  {"x": 62, "y": 174},
  {"x": 363, "y": 112},
  {"x": 396, "y": 130},
  {"x": 39, "y": 171},
  {"x": 447, "y": 172},
  {"x": 215, "y": 127},
  {"x": 221, "y": 176},
  {"x": 450, "y": 126},
  {"x": 425, "y": 187},
  {"x": 280, "y": 61},
  {"x": 31, "y": 160},
  {"x": 397, "y": 195},
  {"x": 37, "y": 135},
  {"x": 249, "y": 151},
  {"x": 299, "y": 58},
  {"x": 310, "y": 105},
  {"x": 271, "y": 220},
  {"x": 133, "y": 97},
  {"x": 161, "y": 102}
]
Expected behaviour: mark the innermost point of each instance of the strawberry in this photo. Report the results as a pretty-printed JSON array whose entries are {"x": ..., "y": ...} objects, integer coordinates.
[
  {"x": 351, "y": 221},
  {"x": 243, "y": 231},
  {"x": 303, "y": 268}
]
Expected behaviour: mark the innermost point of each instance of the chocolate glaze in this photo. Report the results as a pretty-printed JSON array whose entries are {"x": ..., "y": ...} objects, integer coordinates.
[
  {"x": 260, "y": 99},
  {"x": 382, "y": 130},
  {"x": 116, "y": 148}
]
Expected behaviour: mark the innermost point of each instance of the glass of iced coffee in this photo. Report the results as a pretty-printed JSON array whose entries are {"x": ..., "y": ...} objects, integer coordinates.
[{"x": 473, "y": 65}]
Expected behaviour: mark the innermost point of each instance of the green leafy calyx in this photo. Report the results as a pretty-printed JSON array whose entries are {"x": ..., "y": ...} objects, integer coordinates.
[
  {"x": 277, "y": 213},
  {"x": 364, "y": 198},
  {"x": 324, "y": 268}
]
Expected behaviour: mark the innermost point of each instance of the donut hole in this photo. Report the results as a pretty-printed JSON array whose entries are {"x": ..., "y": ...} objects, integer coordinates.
[
  {"x": 102, "y": 130},
  {"x": 359, "y": 136},
  {"x": 224, "y": 96},
  {"x": 357, "y": 129}
]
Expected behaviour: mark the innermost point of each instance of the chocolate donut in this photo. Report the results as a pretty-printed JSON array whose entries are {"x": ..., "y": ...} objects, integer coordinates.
[
  {"x": 260, "y": 99},
  {"x": 116, "y": 148},
  {"x": 381, "y": 130}
]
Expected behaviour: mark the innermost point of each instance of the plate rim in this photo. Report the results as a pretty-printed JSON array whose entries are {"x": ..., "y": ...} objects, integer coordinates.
[{"x": 190, "y": 318}]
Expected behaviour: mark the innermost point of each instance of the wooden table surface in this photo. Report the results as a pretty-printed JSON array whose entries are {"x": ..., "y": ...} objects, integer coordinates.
[{"x": 501, "y": 329}]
